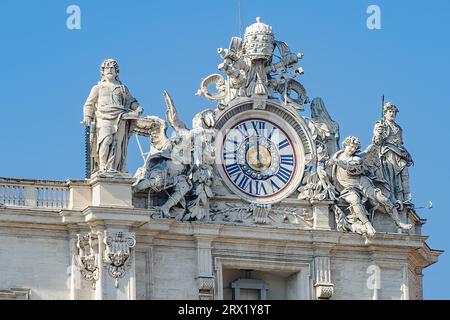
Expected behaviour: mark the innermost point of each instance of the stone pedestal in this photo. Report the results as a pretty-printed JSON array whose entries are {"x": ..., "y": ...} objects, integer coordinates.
[
  {"x": 80, "y": 195},
  {"x": 114, "y": 191},
  {"x": 321, "y": 215}
]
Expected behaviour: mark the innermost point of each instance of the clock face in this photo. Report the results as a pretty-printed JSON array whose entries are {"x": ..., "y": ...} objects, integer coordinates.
[{"x": 258, "y": 158}]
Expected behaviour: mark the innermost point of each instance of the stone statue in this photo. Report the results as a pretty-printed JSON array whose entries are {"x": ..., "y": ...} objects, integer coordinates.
[
  {"x": 325, "y": 133},
  {"x": 179, "y": 164},
  {"x": 324, "y": 128},
  {"x": 251, "y": 72},
  {"x": 203, "y": 137},
  {"x": 167, "y": 168},
  {"x": 111, "y": 112},
  {"x": 357, "y": 189},
  {"x": 395, "y": 159}
]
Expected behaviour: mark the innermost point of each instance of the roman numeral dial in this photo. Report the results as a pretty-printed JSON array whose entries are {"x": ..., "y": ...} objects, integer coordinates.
[{"x": 258, "y": 157}]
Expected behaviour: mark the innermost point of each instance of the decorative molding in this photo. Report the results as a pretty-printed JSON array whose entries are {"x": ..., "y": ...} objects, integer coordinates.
[
  {"x": 206, "y": 287},
  {"x": 324, "y": 292},
  {"x": 322, "y": 278},
  {"x": 117, "y": 253},
  {"x": 15, "y": 294},
  {"x": 254, "y": 213},
  {"x": 86, "y": 258},
  {"x": 205, "y": 279}
]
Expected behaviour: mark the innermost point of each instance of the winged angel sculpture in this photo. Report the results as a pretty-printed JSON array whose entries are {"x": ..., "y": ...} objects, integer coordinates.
[
  {"x": 180, "y": 167},
  {"x": 360, "y": 185},
  {"x": 325, "y": 133}
]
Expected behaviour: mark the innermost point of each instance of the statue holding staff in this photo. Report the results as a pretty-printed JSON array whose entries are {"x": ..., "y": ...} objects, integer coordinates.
[
  {"x": 111, "y": 113},
  {"x": 394, "y": 157}
]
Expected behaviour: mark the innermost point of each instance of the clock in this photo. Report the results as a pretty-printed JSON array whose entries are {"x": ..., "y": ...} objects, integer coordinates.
[{"x": 262, "y": 156}]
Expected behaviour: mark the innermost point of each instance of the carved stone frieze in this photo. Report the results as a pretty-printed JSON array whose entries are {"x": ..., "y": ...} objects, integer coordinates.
[
  {"x": 262, "y": 214},
  {"x": 324, "y": 291}
]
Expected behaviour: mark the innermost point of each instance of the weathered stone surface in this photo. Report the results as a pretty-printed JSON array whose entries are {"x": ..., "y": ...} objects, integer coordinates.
[{"x": 255, "y": 201}]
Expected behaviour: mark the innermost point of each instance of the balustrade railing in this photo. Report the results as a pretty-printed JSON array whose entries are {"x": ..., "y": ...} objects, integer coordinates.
[{"x": 34, "y": 193}]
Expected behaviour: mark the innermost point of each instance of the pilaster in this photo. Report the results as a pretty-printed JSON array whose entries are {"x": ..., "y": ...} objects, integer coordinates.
[{"x": 205, "y": 276}]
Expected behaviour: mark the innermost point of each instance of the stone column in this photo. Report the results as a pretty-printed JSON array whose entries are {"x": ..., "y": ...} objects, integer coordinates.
[
  {"x": 99, "y": 288},
  {"x": 419, "y": 283},
  {"x": 75, "y": 278},
  {"x": 219, "y": 284},
  {"x": 30, "y": 197},
  {"x": 132, "y": 281},
  {"x": 205, "y": 277},
  {"x": 149, "y": 294},
  {"x": 322, "y": 272}
]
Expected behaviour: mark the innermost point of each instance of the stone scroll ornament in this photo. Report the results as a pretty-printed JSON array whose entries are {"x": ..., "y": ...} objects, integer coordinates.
[
  {"x": 117, "y": 253},
  {"x": 86, "y": 258}
]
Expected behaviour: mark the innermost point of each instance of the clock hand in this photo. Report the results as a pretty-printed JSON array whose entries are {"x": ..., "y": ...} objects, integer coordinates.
[{"x": 258, "y": 156}]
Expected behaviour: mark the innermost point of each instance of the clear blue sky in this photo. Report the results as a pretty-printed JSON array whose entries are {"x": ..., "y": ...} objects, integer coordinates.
[{"x": 48, "y": 70}]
